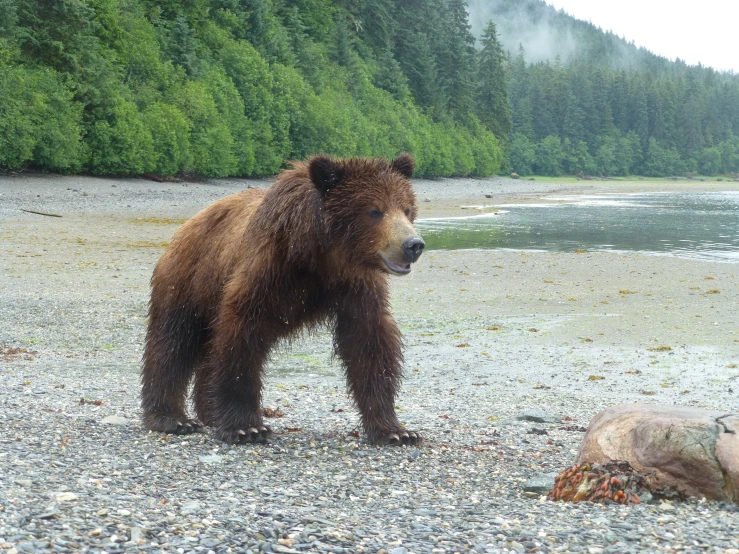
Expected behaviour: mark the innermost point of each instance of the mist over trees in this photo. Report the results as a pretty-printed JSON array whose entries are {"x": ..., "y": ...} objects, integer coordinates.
[
  {"x": 236, "y": 87},
  {"x": 585, "y": 101}
]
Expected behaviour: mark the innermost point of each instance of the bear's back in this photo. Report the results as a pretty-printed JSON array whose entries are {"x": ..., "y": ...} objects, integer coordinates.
[{"x": 203, "y": 249}]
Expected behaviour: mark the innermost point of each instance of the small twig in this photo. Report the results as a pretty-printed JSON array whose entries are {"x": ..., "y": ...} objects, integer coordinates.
[{"x": 40, "y": 213}]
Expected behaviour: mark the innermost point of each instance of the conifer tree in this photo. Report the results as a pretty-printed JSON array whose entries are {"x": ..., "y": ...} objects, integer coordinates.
[{"x": 492, "y": 105}]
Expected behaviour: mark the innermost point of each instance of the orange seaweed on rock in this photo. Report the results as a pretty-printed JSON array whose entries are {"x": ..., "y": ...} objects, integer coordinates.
[{"x": 614, "y": 481}]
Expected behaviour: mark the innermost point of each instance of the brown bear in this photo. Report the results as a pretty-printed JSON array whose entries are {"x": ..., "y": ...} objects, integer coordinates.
[{"x": 255, "y": 268}]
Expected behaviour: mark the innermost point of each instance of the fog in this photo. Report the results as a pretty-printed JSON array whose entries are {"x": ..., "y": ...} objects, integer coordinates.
[
  {"x": 544, "y": 31},
  {"x": 541, "y": 39}
]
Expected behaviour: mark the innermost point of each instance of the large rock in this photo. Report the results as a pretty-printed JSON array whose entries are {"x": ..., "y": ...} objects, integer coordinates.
[{"x": 693, "y": 450}]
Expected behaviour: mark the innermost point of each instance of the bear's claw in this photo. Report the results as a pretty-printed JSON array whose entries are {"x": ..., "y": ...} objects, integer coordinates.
[
  {"x": 177, "y": 424},
  {"x": 188, "y": 426},
  {"x": 252, "y": 435},
  {"x": 401, "y": 438}
]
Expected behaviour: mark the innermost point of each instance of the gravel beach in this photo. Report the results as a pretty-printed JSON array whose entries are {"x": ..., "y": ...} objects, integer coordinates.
[{"x": 508, "y": 356}]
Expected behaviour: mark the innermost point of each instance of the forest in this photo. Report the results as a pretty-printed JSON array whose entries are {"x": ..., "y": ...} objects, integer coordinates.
[
  {"x": 604, "y": 106},
  {"x": 238, "y": 87}
]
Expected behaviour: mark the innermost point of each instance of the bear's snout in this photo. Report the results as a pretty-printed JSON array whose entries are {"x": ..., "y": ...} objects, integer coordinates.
[{"x": 413, "y": 248}]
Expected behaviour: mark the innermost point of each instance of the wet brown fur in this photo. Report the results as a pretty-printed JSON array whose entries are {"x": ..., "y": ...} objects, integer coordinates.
[{"x": 259, "y": 266}]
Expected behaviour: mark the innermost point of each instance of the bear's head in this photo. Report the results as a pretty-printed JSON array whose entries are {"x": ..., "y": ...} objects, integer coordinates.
[{"x": 369, "y": 209}]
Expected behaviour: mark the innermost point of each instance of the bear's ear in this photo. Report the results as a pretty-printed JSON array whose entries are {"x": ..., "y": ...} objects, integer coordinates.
[
  {"x": 325, "y": 173},
  {"x": 404, "y": 164}
]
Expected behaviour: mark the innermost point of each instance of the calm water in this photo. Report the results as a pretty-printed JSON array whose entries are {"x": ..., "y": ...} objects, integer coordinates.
[{"x": 696, "y": 225}]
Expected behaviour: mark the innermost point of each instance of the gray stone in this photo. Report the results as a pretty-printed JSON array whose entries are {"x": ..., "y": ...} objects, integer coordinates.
[
  {"x": 210, "y": 458},
  {"x": 114, "y": 420},
  {"x": 540, "y": 484},
  {"x": 425, "y": 512},
  {"x": 537, "y": 416},
  {"x": 693, "y": 450},
  {"x": 284, "y": 549},
  {"x": 136, "y": 533},
  {"x": 190, "y": 508},
  {"x": 399, "y": 550}
]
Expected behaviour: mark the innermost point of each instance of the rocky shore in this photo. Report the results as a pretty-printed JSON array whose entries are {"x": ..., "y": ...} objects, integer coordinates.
[{"x": 508, "y": 356}]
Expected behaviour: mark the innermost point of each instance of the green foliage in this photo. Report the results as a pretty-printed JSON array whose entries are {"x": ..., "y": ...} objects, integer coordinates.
[
  {"x": 709, "y": 162},
  {"x": 8, "y": 28},
  {"x": 487, "y": 153},
  {"x": 549, "y": 156},
  {"x": 492, "y": 106},
  {"x": 522, "y": 154},
  {"x": 577, "y": 158},
  {"x": 183, "y": 49},
  {"x": 211, "y": 142},
  {"x": 236, "y": 87},
  {"x": 39, "y": 122},
  {"x": 170, "y": 133},
  {"x": 661, "y": 161},
  {"x": 121, "y": 144},
  {"x": 58, "y": 33},
  {"x": 729, "y": 155},
  {"x": 657, "y": 118}
]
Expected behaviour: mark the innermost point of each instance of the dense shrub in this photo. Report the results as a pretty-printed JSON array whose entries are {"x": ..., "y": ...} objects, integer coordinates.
[
  {"x": 170, "y": 133},
  {"x": 39, "y": 122}
]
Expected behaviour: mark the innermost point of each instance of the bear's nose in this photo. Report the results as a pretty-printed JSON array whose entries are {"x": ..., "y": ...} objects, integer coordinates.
[{"x": 413, "y": 247}]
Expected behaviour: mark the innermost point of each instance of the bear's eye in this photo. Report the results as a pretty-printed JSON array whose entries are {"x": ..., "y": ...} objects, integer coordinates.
[
  {"x": 407, "y": 212},
  {"x": 375, "y": 214}
]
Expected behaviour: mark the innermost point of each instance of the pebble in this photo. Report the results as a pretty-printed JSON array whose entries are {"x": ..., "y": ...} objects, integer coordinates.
[
  {"x": 210, "y": 459},
  {"x": 190, "y": 508},
  {"x": 425, "y": 512},
  {"x": 540, "y": 484},
  {"x": 537, "y": 416},
  {"x": 114, "y": 420}
]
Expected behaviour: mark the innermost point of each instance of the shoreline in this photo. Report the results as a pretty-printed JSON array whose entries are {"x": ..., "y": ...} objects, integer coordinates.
[{"x": 444, "y": 197}]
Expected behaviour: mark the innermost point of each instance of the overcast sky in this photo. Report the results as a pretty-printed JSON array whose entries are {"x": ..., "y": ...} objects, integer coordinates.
[{"x": 706, "y": 31}]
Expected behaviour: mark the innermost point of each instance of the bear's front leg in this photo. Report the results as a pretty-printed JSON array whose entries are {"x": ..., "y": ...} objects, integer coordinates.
[
  {"x": 228, "y": 390},
  {"x": 368, "y": 341}
]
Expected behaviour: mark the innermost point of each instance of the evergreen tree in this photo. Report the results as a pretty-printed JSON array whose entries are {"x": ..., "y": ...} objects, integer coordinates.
[
  {"x": 456, "y": 59},
  {"x": 184, "y": 46},
  {"x": 492, "y": 105}
]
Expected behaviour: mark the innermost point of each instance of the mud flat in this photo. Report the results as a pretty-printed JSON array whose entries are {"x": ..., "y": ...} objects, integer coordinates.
[{"x": 490, "y": 335}]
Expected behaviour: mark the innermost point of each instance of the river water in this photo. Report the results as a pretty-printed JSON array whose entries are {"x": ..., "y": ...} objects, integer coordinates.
[{"x": 701, "y": 225}]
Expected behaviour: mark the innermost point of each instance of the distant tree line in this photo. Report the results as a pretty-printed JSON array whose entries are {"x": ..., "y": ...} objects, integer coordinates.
[
  {"x": 236, "y": 87},
  {"x": 596, "y": 120},
  {"x": 613, "y": 108}
]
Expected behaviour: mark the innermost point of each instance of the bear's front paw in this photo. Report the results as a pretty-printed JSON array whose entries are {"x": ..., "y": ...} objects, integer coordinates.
[
  {"x": 188, "y": 426},
  {"x": 177, "y": 425},
  {"x": 249, "y": 435},
  {"x": 400, "y": 438}
]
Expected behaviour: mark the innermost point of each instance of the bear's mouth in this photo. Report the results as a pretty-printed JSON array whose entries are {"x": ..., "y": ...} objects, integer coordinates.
[{"x": 396, "y": 269}]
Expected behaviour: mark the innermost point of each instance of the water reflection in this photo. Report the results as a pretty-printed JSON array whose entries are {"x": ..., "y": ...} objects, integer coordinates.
[{"x": 696, "y": 225}]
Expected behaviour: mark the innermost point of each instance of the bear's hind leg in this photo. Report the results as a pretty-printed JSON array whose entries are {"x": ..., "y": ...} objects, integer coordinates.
[
  {"x": 228, "y": 388},
  {"x": 174, "y": 342}
]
